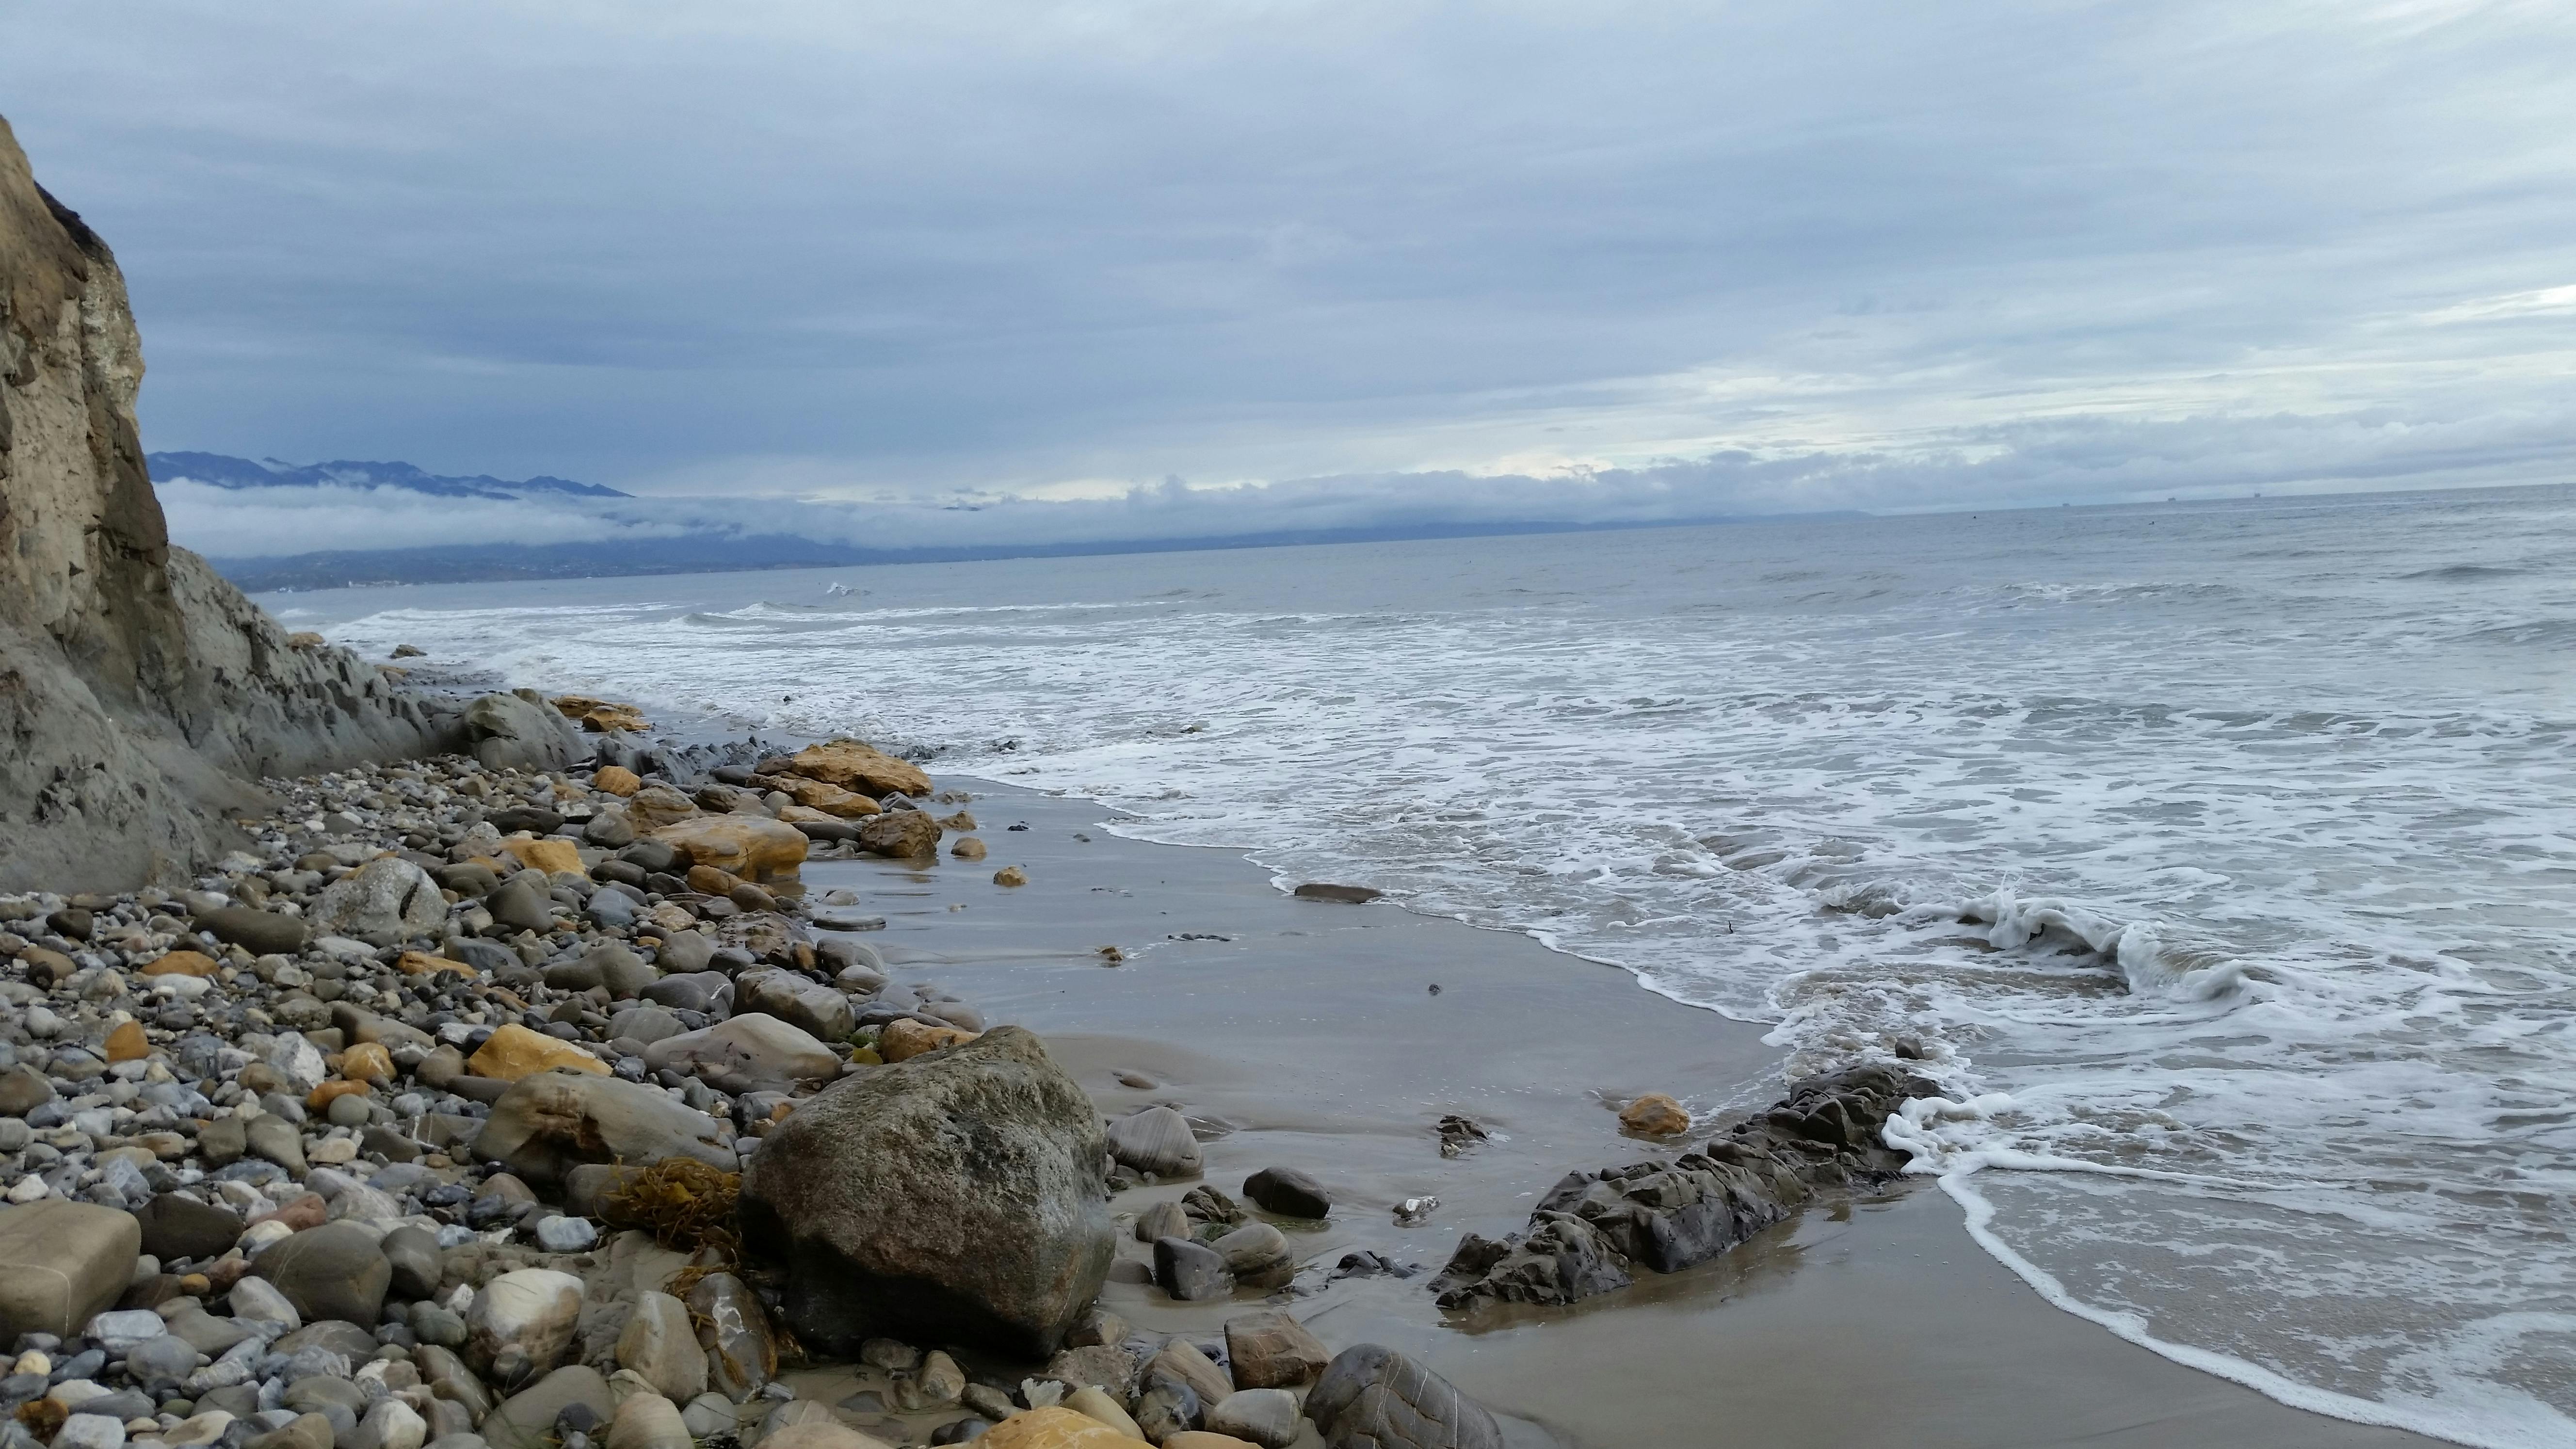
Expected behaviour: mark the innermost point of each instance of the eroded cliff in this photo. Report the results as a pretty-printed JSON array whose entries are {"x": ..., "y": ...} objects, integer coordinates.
[{"x": 141, "y": 696}]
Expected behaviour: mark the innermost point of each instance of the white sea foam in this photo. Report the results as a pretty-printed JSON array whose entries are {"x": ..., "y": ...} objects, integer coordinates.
[{"x": 2228, "y": 897}]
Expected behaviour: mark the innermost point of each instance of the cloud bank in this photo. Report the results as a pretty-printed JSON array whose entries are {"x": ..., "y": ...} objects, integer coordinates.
[{"x": 1620, "y": 257}]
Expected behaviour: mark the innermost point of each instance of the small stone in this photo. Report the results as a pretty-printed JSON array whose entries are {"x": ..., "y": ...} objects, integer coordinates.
[
  {"x": 391, "y": 1424},
  {"x": 566, "y": 1235},
  {"x": 1156, "y": 1140},
  {"x": 90, "y": 1431},
  {"x": 903, "y": 1039},
  {"x": 127, "y": 1043},
  {"x": 1010, "y": 875},
  {"x": 940, "y": 1381},
  {"x": 305, "y": 1431},
  {"x": 530, "y": 1313},
  {"x": 514, "y": 1051},
  {"x": 1162, "y": 1220},
  {"x": 647, "y": 1421},
  {"x": 1250, "y": 1249},
  {"x": 661, "y": 1347}
]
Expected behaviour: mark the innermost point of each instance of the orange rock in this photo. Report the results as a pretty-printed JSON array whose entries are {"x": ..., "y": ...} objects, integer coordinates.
[
  {"x": 126, "y": 1043},
  {"x": 600, "y": 716},
  {"x": 855, "y": 765},
  {"x": 367, "y": 1062},
  {"x": 323, "y": 1095},
  {"x": 829, "y": 798},
  {"x": 1010, "y": 875},
  {"x": 706, "y": 880},
  {"x": 554, "y": 855},
  {"x": 421, "y": 963},
  {"x": 904, "y": 1039},
  {"x": 308, "y": 1211},
  {"x": 184, "y": 963},
  {"x": 514, "y": 1052},
  {"x": 751, "y": 847},
  {"x": 1056, "y": 1428},
  {"x": 1655, "y": 1115},
  {"x": 1204, "y": 1439},
  {"x": 616, "y": 780}
]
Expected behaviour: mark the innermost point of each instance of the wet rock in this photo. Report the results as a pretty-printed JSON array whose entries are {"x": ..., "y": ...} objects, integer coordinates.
[
  {"x": 1252, "y": 1249},
  {"x": 333, "y": 1271},
  {"x": 1191, "y": 1272},
  {"x": 1162, "y": 1220},
  {"x": 1271, "y": 1350},
  {"x": 412, "y": 1255},
  {"x": 1156, "y": 1140},
  {"x": 1054, "y": 1427},
  {"x": 750, "y": 1052},
  {"x": 1371, "y": 1397},
  {"x": 61, "y": 1264},
  {"x": 1288, "y": 1192},
  {"x": 1180, "y": 1361},
  {"x": 447, "y": 1376},
  {"x": 1165, "y": 1408},
  {"x": 856, "y": 766},
  {"x": 660, "y": 1346},
  {"x": 1344, "y": 894},
  {"x": 901, "y": 834},
  {"x": 1595, "y": 1231},
  {"x": 1655, "y": 1115},
  {"x": 956, "y": 1198}
]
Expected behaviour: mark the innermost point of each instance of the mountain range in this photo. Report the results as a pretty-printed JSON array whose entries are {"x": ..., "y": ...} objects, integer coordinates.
[{"x": 221, "y": 471}]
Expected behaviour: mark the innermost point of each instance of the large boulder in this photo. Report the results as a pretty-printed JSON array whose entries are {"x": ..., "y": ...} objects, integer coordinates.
[
  {"x": 549, "y": 1123},
  {"x": 386, "y": 900},
  {"x": 61, "y": 1264},
  {"x": 517, "y": 731},
  {"x": 1372, "y": 1397},
  {"x": 956, "y": 1198},
  {"x": 753, "y": 847},
  {"x": 752, "y": 1052},
  {"x": 855, "y": 765}
]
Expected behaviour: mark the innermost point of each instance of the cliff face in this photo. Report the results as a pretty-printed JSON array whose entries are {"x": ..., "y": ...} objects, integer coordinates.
[{"x": 141, "y": 697}]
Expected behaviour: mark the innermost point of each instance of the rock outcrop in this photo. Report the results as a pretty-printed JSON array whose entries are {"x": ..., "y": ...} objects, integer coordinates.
[
  {"x": 1596, "y": 1231},
  {"x": 141, "y": 696},
  {"x": 959, "y": 1197}
]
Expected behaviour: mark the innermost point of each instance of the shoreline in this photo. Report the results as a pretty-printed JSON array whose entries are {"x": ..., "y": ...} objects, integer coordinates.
[
  {"x": 1864, "y": 1282},
  {"x": 1325, "y": 1037}
]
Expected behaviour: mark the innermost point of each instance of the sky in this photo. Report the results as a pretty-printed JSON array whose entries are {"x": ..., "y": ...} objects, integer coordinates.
[{"x": 1244, "y": 266}]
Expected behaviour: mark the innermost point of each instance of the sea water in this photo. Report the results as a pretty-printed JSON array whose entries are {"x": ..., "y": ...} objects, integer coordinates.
[{"x": 2218, "y": 860}]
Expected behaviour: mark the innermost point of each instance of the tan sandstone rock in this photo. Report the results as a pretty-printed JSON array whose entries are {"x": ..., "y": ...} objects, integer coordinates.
[
  {"x": 752, "y": 847},
  {"x": 514, "y": 1052},
  {"x": 1655, "y": 1115},
  {"x": 553, "y": 854},
  {"x": 616, "y": 780},
  {"x": 856, "y": 765},
  {"x": 903, "y": 1039}
]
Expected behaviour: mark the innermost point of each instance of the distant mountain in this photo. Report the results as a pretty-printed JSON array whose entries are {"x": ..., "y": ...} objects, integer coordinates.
[{"x": 217, "y": 470}]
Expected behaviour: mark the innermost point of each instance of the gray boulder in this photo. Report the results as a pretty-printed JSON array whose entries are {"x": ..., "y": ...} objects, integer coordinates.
[
  {"x": 820, "y": 1011},
  {"x": 1371, "y": 1397},
  {"x": 958, "y": 1197},
  {"x": 749, "y": 1052},
  {"x": 388, "y": 899},
  {"x": 548, "y": 1123},
  {"x": 333, "y": 1271},
  {"x": 1156, "y": 1140},
  {"x": 518, "y": 731}
]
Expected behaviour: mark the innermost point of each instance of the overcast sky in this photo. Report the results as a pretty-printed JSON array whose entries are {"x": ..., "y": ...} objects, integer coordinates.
[{"x": 1859, "y": 253}]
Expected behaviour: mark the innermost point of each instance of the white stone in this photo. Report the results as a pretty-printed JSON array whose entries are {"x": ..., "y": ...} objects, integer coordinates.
[
  {"x": 533, "y": 1309},
  {"x": 118, "y": 1332},
  {"x": 297, "y": 1060},
  {"x": 259, "y": 1236},
  {"x": 90, "y": 1431},
  {"x": 391, "y": 1424},
  {"x": 256, "y": 1300},
  {"x": 30, "y": 1188}
]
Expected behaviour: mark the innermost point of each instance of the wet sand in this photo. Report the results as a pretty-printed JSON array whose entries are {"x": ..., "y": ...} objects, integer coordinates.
[{"x": 1311, "y": 1031}]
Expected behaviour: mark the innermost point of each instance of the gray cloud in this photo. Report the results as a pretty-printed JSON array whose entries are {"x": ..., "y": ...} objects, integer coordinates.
[{"x": 1877, "y": 255}]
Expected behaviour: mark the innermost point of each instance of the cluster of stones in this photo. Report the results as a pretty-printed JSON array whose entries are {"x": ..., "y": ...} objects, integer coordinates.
[
  {"x": 1595, "y": 1231},
  {"x": 333, "y": 1150}
]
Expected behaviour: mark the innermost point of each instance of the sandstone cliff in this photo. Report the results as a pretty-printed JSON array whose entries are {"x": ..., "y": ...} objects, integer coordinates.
[{"x": 141, "y": 697}]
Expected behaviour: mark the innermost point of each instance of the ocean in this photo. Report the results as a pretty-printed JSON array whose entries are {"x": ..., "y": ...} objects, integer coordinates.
[{"x": 2218, "y": 859}]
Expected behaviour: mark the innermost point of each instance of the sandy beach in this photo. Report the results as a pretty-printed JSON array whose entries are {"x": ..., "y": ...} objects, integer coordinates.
[{"x": 1311, "y": 1028}]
